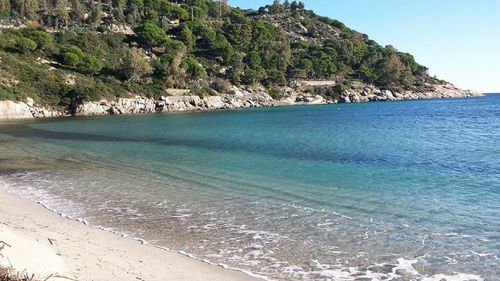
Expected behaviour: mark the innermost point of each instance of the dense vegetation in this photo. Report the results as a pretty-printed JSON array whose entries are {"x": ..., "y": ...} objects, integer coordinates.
[{"x": 70, "y": 49}]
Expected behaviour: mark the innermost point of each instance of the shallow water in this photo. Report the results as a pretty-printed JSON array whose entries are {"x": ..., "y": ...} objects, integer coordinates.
[{"x": 394, "y": 191}]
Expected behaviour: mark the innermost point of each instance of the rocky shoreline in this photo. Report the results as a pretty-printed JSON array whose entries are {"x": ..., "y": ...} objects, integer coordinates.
[{"x": 239, "y": 98}]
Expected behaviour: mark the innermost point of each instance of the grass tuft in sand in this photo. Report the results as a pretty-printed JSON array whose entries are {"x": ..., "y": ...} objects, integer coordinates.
[{"x": 8, "y": 274}]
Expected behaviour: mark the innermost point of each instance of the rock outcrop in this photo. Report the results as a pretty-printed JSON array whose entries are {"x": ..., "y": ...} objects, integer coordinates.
[
  {"x": 240, "y": 98},
  {"x": 360, "y": 92},
  {"x": 138, "y": 104},
  {"x": 18, "y": 110}
]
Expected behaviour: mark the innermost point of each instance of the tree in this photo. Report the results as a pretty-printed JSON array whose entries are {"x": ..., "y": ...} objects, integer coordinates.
[
  {"x": 169, "y": 66},
  {"x": 221, "y": 47},
  {"x": 307, "y": 66},
  {"x": 61, "y": 12},
  {"x": 294, "y": 6},
  {"x": 42, "y": 39},
  {"x": 134, "y": 66},
  {"x": 42, "y": 5},
  {"x": 187, "y": 36},
  {"x": 4, "y": 7},
  {"x": 164, "y": 66},
  {"x": 253, "y": 59},
  {"x": 238, "y": 17},
  {"x": 95, "y": 14},
  {"x": 286, "y": 5},
  {"x": 277, "y": 77},
  {"x": 220, "y": 9},
  {"x": 194, "y": 69},
  {"x": 73, "y": 49},
  {"x": 239, "y": 35},
  {"x": 133, "y": 15},
  {"x": 77, "y": 11},
  {"x": 390, "y": 70},
  {"x": 118, "y": 12},
  {"x": 301, "y": 5},
  {"x": 17, "y": 7},
  {"x": 90, "y": 64},
  {"x": 70, "y": 59},
  {"x": 199, "y": 13},
  {"x": 204, "y": 34},
  {"x": 236, "y": 67},
  {"x": 254, "y": 75},
  {"x": 25, "y": 45},
  {"x": 138, "y": 3},
  {"x": 172, "y": 11},
  {"x": 367, "y": 74},
  {"x": 109, "y": 6},
  {"x": 30, "y": 7},
  {"x": 151, "y": 34},
  {"x": 276, "y": 7}
]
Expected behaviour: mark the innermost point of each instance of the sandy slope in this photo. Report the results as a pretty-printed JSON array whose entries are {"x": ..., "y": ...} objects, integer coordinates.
[{"x": 44, "y": 243}]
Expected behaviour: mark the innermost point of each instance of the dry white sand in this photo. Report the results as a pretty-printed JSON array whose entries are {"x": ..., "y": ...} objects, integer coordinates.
[{"x": 41, "y": 242}]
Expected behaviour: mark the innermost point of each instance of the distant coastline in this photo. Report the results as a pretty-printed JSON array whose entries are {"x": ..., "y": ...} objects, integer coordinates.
[{"x": 242, "y": 98}]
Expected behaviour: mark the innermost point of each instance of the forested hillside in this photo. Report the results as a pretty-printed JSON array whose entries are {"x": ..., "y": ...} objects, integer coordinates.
[{"x": 62, "y": 51}]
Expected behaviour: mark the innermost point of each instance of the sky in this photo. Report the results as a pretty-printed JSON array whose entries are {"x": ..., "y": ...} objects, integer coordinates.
[{"x": 459, "y": 40}]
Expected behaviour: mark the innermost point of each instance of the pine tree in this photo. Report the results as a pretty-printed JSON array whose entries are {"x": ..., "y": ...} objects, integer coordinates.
[
  {"x": 77, "y": 13},
  {"x": 61, "y": 12},
  {"x": 109, "y": 3},
  {"x": 4, "y": 7},
  {"x": 17, "y": 7},
  {"x": 134, "y": 66},
  {"x": 42, "y": 5},
  {"x": 276, "y": 7},
  {"x": 187, "y": 36},
  {"x": 95, "y": 14},
  {"x": 286, "y": 5},
  {"x": 133, "y": 16},
  {"x": 30, "y": 7},
  {"x": 118, "y": 12}
]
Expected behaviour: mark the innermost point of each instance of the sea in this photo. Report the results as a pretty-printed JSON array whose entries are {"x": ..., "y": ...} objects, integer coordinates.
[{"x": 406, "y": 190}]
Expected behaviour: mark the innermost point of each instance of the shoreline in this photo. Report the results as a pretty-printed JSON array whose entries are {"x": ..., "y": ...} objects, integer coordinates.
[
  {"x": 59, "y": 115},
  {"x": 361, "y": 93},
  {"x": 42, "y": 242}
]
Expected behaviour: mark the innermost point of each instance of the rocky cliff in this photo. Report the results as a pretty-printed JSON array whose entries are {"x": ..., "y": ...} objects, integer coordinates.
[
  {"x": 360, "y": 92},
  {"x": 138, "y": 104},
  {"x": 240, "y": 98},
  {"x": 17, "y": 110}
]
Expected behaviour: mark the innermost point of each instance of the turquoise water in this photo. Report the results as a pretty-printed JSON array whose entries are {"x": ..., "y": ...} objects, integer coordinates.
[{"x": 380, "y": 191}]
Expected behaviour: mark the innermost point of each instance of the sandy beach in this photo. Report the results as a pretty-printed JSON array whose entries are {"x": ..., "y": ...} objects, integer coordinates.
[{"x": 43, "y": 243}]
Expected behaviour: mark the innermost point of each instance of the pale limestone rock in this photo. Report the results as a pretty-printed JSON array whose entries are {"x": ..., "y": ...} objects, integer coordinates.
[
  {"x": 70, "y": 79},
  {"x": 91, "y": 109},
  {"x": 14, "y": 110},
  {"x": 242, "y": 97},
  {"x": 30, "y": 102},
  {"x": 19, "y": 110},
  {"x": 360, "y": 92}
]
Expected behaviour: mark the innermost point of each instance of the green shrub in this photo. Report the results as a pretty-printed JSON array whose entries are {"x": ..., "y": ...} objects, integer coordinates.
[
  {"x": 42, "y": 39},
  {"x": 70, "y": 59},
  {"x": 90, "y": 65},
  {"x": 275, "y": 93},
  {"x": 72, "y": 49},
  {"x": 194, "y": 69},
  {"x": 25, "y": 45}
]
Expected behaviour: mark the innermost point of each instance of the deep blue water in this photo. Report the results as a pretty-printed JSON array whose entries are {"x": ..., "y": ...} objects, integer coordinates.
[{"x": 407, "y": 190}]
